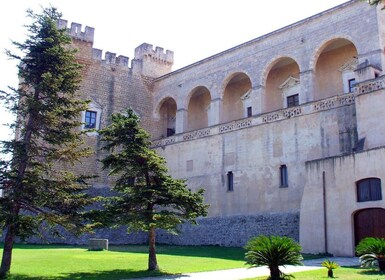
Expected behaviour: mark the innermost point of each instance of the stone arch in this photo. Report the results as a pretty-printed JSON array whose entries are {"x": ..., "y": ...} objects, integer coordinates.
[
  {"x": 237, "y": 87},
  {"x": 281, "y": 80},
  {"x": 334, "y": 63},
  {"x": 197, "y": 109},
  {"x": 166, "y": 115}
]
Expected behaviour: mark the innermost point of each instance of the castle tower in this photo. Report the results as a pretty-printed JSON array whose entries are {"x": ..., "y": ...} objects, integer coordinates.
[{"x": 152, "y": 63}]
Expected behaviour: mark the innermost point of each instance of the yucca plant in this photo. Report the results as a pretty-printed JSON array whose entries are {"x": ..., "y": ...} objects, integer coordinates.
[
  {"x": 372, "y": 252},
  {"x": 273, "y": 251},
  {"x": 330, "y": 265}
]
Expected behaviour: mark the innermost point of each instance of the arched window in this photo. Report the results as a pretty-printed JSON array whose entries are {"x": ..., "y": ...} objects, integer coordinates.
[{"x": 369, "y": 189}]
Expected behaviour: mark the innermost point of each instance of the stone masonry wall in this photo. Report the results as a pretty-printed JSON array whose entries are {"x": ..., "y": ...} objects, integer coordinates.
[
  {"x": 231, "y": 231},
  {"x": 234, "y": 231},
  {"x": 111, "y": 87}
]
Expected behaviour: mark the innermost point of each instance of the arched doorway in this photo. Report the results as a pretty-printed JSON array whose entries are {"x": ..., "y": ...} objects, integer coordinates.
[
  {"x": 197, "y": 109},
  {"x": 233, "y": 107},
  {"x": 282, "y": 85},
  {"x": 369, "y": 223},
  {"x": 334, "y": 69},
  {"x": 167, "y": 114}
]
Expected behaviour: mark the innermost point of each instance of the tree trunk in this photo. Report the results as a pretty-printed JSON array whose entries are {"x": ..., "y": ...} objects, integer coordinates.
[
  {"x": 275, "y": 273},
  {"x": 7, "y": 252},
  {"x": 330, "y": 273},
  {"x": 152, "y": 262}
]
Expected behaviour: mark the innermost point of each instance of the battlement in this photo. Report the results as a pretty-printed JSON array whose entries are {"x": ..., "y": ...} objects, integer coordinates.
[
  {"x": 146, "y": 51},
  {"x": 110, "y": 58},
  {"x": 75, "y": 30}
]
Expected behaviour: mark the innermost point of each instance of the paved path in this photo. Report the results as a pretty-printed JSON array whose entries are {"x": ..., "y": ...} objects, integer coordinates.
[{"x": 243, "y": 273}]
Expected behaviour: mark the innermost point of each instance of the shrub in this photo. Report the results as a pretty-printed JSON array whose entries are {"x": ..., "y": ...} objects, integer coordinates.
[
  {"x": 372, "y": 252},
  {"x": 330, "y": 265},
  {"x": 273, "y": 251}
]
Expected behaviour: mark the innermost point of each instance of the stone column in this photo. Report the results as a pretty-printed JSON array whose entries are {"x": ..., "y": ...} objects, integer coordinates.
[
  {"x": 181, "y": 121},
  {"x": 215, "y": 112},
  {"x": 257, "y": 99},
  {"x": 307, "y": 79}
]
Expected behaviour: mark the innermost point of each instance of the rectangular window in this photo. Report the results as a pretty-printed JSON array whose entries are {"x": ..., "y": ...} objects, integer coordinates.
[
  {"x": 170, "y": 132},
  {"x": 283, "y": 176},
  {"x": 90, "y": 119},
  {"x": 352, "y": 83},
  {"x": 230, "y": 181},
  {"x": 292, "y": 100},
  {"x": 249, "y": 112}
]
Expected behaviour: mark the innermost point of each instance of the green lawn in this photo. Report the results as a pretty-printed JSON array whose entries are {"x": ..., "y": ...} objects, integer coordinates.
[
  {"x": 342, "y": 273},
  {"x": 66, "y": 262},
  {"x": 48, "y": 262}
]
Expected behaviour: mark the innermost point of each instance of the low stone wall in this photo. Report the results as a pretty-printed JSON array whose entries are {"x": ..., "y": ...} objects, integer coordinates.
[
  {"x": 231, "y": 231},
  {"x": 234, "y": 231}
]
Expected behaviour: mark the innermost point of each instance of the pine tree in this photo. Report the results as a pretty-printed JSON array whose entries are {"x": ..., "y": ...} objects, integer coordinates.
[
  {"x": 39, "y": 190},
  {"x": 147, "y": 198}
]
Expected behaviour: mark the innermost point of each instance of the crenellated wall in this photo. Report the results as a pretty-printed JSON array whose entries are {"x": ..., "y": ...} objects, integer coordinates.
[
  {"x": 75, "y": 30},
  {"x": 152, "y": 63}
]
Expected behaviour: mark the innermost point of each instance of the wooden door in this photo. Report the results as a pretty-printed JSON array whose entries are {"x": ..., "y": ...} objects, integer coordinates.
[{"x": 369, "y": 223}]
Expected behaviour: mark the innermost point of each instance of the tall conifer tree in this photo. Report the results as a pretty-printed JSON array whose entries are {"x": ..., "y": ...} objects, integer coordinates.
[
  {"x": 147, "y": 198},
  {"x": 36, "y": 180}
]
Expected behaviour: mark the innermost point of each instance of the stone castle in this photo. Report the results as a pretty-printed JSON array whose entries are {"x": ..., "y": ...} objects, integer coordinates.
[{"x": 282, "y": 131}]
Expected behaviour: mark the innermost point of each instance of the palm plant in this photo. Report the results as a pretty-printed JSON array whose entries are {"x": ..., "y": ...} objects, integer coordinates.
[
  {"x": 330, "y": 265},
  {"x": 273, "y": 251},
  {"x": 372, "y": 252}
]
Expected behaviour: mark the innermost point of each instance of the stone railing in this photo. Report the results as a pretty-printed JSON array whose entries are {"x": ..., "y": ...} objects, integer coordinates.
[
  {"x": 234, "y": 125},
  {"x": 282, "y": 114},
  {"x": 371, "y": 85},
  {"x": 333, "y": 102},
  {"x": 321, "y": 105},
  {"x": 196, "y": 134}
]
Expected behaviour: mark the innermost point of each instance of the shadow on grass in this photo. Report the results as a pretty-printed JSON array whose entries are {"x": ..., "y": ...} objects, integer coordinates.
[{"x": 98, "y": 275}]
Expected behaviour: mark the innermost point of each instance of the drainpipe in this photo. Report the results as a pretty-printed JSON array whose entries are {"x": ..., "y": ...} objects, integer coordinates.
[{"x": 324, "y": 206}]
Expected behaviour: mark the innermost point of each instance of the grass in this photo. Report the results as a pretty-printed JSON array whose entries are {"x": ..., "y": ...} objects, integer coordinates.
[
  {"x": 342, "y": 273},
  {"x": 48, "y": 262}
]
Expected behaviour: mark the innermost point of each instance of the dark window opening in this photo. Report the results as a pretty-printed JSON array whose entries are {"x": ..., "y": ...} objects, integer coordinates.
[
  {"x": 283, "y": 176},
  {"x": 230, "y": 181},
  {"x": 249, "y": 112},
  {"x": 292, "y": 100},
  {"x": 170, "y": 132},
  {"x": 369, "y": 190},
  {"x": 90, "y": 119},
  {"x": 352, "y": 84}
]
